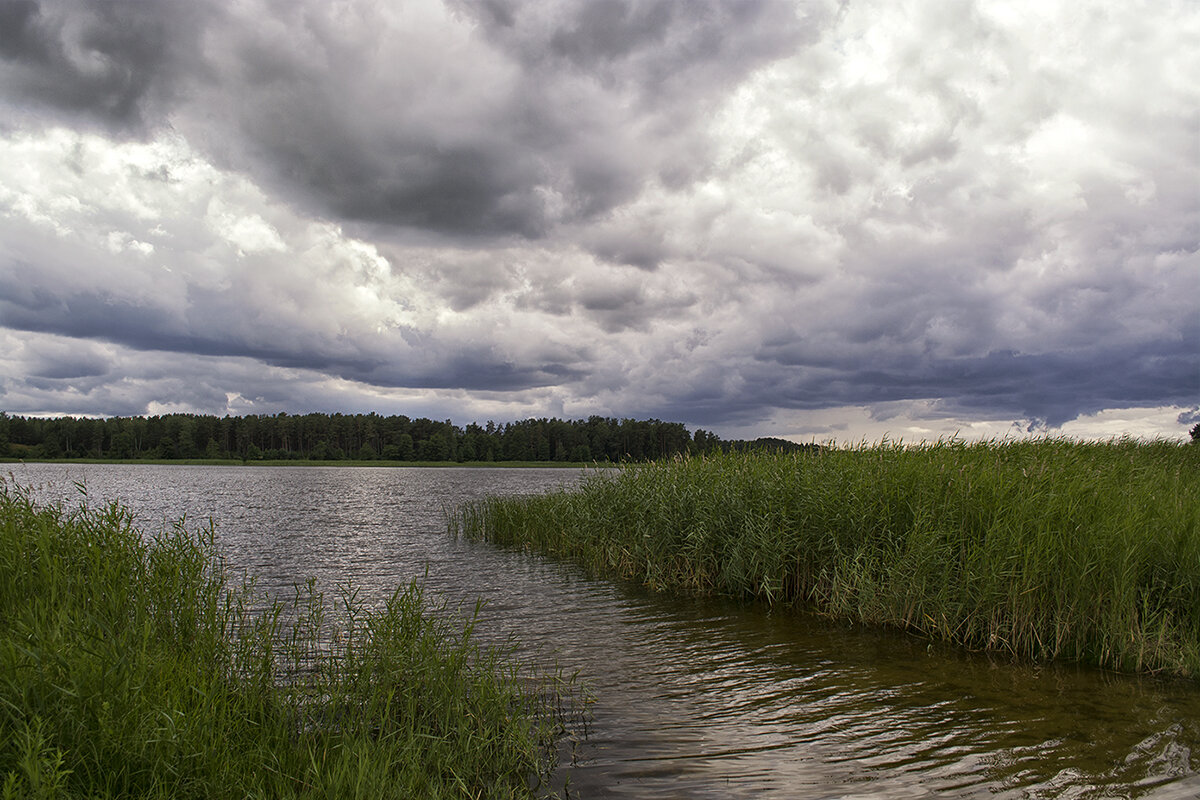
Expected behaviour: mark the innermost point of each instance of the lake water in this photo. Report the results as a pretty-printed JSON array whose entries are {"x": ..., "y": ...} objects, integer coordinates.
[{"x": 693, "y": 699}]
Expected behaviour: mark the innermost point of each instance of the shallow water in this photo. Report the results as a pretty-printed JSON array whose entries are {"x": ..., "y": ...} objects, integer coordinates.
[{"x": 694, "y": 699}]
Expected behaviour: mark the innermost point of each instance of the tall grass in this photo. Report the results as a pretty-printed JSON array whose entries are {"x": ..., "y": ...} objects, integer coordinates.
[
  {"x": 1044, "y": 549},
  {"x": 130, "y": 667}
]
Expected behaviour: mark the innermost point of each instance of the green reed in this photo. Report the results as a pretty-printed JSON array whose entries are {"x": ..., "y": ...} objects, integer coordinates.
[
  {"x": 1048, "y": 548},
  {"x": 130, "y": 667}
]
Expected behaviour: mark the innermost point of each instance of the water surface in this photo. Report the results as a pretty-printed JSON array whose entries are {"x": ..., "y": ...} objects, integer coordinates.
[{"x": 694, "y": 699}]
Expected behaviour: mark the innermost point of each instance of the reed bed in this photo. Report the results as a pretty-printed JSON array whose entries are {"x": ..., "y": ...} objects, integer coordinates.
[
  {"x": 130, "y": 667},
  {"x": 1043, "y": 549}
]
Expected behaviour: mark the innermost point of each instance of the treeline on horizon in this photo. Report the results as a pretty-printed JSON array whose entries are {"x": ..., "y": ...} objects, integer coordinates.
[{"x": 362, "y": 437}]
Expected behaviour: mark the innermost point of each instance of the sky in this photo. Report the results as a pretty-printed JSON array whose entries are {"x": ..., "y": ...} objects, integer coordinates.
[{"x": 812, "y": 220}]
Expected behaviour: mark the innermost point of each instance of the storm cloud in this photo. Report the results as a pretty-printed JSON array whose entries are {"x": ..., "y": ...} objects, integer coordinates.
[{"x": 766, "y": 218}]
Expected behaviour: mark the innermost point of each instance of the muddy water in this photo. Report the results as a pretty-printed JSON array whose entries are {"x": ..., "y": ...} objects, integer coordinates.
[{"x": 693, "y": 699}]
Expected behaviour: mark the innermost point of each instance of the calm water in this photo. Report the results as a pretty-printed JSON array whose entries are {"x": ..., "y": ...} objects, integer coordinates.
[{"x": 694, "y": 699}]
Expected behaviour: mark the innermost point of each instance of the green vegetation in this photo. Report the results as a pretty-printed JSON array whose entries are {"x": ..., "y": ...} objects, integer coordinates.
[
  {"x": 130, "y": 669},
  {"x": 370, "y": 438},
  {"x": 341, "y": 437},
  {"x": 1042, "y": 549}
]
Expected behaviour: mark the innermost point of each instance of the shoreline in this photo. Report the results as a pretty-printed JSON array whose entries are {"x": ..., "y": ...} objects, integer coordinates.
[
  {"x": 1045, "y": 550},
  {"x": 233, "y": 462}
]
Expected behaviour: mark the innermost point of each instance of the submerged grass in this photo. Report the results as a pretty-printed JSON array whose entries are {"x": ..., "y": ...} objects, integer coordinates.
[
  {"x": 131, "y": 668},
  {"x": 1048, "y": 548}
]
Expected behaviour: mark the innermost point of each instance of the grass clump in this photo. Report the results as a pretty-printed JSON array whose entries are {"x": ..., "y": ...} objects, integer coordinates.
[
  {"x": 130, "y": 668},
  {"x": 1047, "y": 548}
]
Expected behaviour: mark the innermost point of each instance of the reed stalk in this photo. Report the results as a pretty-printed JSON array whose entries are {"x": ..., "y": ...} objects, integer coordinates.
[
  {"x": 1044, "y": 549},
  {"x": 132, "y": 667}
]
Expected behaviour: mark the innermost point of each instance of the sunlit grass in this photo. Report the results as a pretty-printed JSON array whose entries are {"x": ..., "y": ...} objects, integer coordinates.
[
  {"x": 131, "y": 668},
  {"x": 1044, "y": 549}
]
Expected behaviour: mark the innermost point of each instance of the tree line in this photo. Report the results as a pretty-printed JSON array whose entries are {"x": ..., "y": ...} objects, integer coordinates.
[{"x": 366, "y": 437}]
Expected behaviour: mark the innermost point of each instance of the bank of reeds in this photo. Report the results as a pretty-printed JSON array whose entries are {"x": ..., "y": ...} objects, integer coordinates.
[
  {"x": 1048, "y": 548},
  {"x": 130, "y": 667}
]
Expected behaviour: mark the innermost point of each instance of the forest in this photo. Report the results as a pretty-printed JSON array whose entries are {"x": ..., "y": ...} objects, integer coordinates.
[{"x": 360, "y": 437}]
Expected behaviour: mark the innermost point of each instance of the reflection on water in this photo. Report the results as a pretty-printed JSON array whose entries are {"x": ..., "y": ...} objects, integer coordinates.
[{"x": 694, "y": 699}]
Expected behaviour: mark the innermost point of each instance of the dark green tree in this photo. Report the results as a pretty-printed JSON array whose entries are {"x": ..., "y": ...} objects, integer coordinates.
[
  {"x": 405, "y": 448},
  {"x": 122, "y": 445},
  {"x": 435, "y": 448}
]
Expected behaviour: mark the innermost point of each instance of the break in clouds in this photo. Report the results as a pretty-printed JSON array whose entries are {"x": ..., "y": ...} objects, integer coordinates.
[{"x": 806, "y": 219}]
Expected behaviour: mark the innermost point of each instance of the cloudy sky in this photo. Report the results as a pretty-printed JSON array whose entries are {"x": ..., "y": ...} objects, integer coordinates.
[{"x": 810, "y": 219}]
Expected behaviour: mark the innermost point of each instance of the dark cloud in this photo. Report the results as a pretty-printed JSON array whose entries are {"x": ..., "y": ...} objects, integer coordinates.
[
  {"x": 585, "y": 103},
  {"x": 656, "y": 50},
  {"x": 150, "y": 382},
  {"x": 580, "y": 104},
  {"x": 1055, "y": 387},
  {"x": 433, "y": 364},
  {"x": 113, "y": 62},
  {"x": 608, "y": 32},
  {"x": 72, "y": 368},
  {"x": 18, "y": 32},
  {"x": 641, "y": 244},
  {"x": 1051, "y": 389}
]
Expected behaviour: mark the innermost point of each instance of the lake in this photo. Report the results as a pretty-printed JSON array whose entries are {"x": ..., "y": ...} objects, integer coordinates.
[{"x": 694, "y": 699}]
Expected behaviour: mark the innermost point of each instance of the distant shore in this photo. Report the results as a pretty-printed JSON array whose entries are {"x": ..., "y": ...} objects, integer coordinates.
[{"x": 237, "y": 462}]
